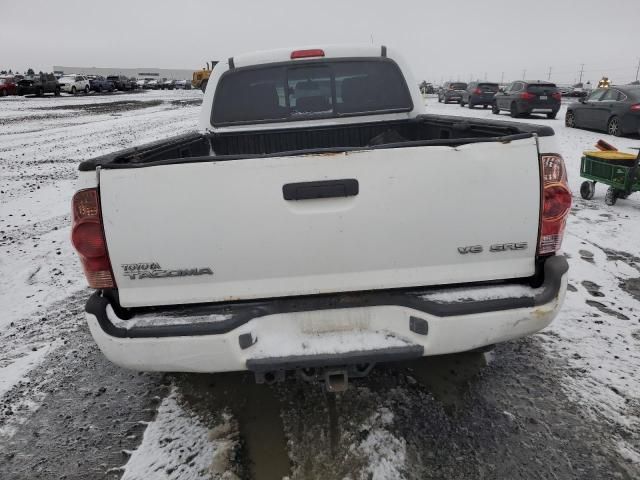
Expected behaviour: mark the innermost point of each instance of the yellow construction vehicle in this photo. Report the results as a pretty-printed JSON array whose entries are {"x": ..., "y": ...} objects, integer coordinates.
[{"x": 201, "y": 77}]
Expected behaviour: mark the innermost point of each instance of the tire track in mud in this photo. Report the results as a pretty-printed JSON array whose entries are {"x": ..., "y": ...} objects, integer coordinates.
[
  {"x": 457, "y": 418},
  {"x": 75, "y": 414},
  {"x": 71, "y": 142},
  {"x": 442, "y": 417},
  {"x": 261, "y": 449},
  {"x": 52, "y": 325},
  {"x": 61, "y": 148},
  {"x": 33, "y": 231}
]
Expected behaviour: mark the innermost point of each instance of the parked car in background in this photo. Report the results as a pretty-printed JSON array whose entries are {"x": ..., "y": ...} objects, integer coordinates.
[
  {"x": 479, "y": 93},
  {"x": 615, "y": 110},
  {"x": 121, "y": 82},
  {"x": 525, "y": 97},
  {"x": 168, "y": 84},
  {"x": 451, "y": 92},
  {"x": 74, "y": 84},
  {"x": 566, "y": 90},
  {"x": 427, "y": 88},
  {"x": 39, "y": 84},
  {"x": 151, "y": 84},
  {"x": 8, "y": 86},
  {"x": 580, "y": 90},
  {"x": 182, "y": 85},
  {"x": 100, "y": 84},
  {"x": 141, "y": 83}
]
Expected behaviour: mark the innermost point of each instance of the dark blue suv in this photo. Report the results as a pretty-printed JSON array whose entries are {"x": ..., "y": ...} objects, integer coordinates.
[
  {"x": 451, "y": 92},
  {"x": 100, "y": 84},
  {"x": 525, "y": 97},
  {"x": 479, "y": 93}
]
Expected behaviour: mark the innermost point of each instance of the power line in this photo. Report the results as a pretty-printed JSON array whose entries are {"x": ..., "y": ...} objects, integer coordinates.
[
  {"x": 597, "y": 69},
  {"x": 581, "y": 72}
]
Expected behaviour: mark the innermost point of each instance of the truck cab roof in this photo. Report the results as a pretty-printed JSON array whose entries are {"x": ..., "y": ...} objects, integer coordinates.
[
  {"x": 328, "y": 51},
  {"x": 309, "y": 86}
]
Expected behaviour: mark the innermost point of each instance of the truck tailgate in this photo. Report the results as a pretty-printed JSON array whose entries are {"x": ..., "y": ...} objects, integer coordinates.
[{"x": 223, "y": 230}]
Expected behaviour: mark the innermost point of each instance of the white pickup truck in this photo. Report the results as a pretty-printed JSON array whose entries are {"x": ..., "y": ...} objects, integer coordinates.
[{"x": 320, "y": 222}]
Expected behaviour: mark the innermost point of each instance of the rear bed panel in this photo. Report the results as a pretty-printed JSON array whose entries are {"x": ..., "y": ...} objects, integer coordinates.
[{"x": 217, "y": 231}]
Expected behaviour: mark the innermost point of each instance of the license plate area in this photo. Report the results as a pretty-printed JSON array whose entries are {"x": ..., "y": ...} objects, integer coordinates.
[{"x": 343, "y": 320}]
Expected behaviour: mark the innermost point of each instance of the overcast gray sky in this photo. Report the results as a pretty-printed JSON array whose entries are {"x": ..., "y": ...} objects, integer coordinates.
[{"x": 442, "y": 39}]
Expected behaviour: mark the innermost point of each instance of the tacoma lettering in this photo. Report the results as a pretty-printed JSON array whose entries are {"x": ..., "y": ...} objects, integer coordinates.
[{"x": 183, "y": 272}]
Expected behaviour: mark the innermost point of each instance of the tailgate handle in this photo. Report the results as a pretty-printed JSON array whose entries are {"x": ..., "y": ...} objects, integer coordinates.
[{"x": 347, "y": 187}]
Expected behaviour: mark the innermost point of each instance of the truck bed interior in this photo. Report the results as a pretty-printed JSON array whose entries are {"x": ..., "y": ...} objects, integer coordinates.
[{"x": 421, "y": 131}]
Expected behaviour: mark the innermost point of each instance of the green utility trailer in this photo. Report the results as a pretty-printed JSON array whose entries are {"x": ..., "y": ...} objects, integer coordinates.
[{"x": 617, "y": 169}]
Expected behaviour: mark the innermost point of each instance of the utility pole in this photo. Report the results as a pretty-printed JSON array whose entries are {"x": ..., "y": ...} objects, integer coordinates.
[
  {"x": 502, "y": 79},
  {"x": 581, "y": 72},
  {"x": 638, "y": 69},
  {"x": 485, "y": 76},
  {"x": 524, "y": 73},
  {"x": 549, "y": 74}
]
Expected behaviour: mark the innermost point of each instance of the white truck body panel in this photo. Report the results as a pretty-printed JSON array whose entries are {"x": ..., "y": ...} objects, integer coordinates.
[
  {"x": 415, "y": 208},
  {"x": 320, "y": 279}
]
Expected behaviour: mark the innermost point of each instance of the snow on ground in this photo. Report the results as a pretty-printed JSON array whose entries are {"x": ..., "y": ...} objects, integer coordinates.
[
  {"x": 13, "y": 370},
  {"x": 180, "y": 446},
  {"x": 598, "y": 329},
  {"x": 42, "y": 141},
  {"x": 386, "y": 454}
]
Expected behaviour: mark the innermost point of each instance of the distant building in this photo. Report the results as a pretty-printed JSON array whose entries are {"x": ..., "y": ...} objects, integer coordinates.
[{"x": 171, "y": 74}]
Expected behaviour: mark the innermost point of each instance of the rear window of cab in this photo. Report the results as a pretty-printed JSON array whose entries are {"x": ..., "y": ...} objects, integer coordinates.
[{"x": 305, "y": 90}]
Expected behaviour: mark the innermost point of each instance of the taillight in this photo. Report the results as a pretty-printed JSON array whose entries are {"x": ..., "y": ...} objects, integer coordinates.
[
  {"x": 556, "y": 203},
  {"x": 635, "y": 107},
  {"x": 315, "y": 52},
  {"x": 527, "y": 96},
  {"x": 557, "y": 96},
  {"x": 87, "y": 237},
  {"x": 477, "y": 91}
]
